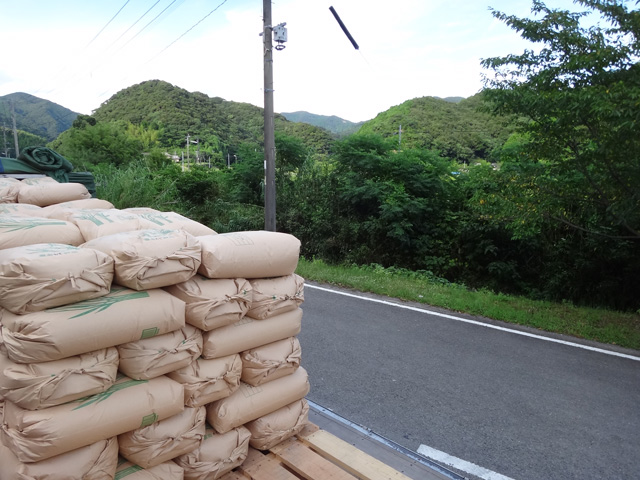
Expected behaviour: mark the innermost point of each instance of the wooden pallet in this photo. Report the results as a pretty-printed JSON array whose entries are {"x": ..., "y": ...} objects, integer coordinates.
[{"x": 314, "y": 454}]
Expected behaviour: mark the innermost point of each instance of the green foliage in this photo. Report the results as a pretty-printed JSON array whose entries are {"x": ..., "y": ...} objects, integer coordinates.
[
  {"x": 197, "y": 185},
  {"x": 581, "y": 91},
  {"x": 246, "y": 178},
  {"x": 569, "y": 184},
  {"x": 82, "y": 121},
  {"x": 373, "y": 203},
  {"x": 99, "y": 143},
  {"x": 147, "y": 135},
  {"x": 136, "y": 185},
  {"x": 290, "y": 153},
  {"x": 193, "y": 193},
  {"x": 460, "y": 131}
]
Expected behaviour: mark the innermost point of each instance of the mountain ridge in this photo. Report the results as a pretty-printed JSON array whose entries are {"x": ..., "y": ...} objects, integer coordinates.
[
  {"x": 336, "y": 125},
  {"x": 36, "y": 115}
]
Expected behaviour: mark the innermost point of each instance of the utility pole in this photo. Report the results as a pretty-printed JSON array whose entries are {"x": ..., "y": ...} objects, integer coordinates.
[
  {"x": 15, "y": 130},
  {"x": 187, "y": 149},
  {"x": 399, "y": 135},
  {"x": 4, "y": 137},
  {"x": 269, "y": 138}
]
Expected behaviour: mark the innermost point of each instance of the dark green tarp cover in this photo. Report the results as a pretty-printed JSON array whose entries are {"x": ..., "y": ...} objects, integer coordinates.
[
  {"x": 44, "y": 161},
  {"x": 41, "y": 160},
  {"x": 49, "y": 162}
]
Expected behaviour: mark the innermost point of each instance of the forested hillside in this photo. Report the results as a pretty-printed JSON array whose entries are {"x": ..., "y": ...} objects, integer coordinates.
[
  {"x": 219, "y": 126},
  {"x": 35, "y": 115},
  {"x": 460, "y": 131}
]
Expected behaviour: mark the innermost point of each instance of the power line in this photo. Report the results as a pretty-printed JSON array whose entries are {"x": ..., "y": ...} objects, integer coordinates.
[
  {"x": 192, "y": 27},
  {"x": 143, "y": 28},
  {"x": 112, "y": 18},
  {"x": 134, "y": 23}
]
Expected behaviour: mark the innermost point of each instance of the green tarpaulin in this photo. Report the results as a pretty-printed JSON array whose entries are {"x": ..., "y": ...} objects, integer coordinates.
[
  {"x": 44, "y": 161},
  {"x": 41, "y": 160},
  {"x": 49, "y": 162}
]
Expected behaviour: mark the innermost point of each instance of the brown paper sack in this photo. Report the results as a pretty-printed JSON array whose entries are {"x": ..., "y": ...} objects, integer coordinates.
[
  {"x": 41, "y": 385},
  {"x": 254, "y": 254},
  {"x": 155, "y": 356},
  {"x": 275, "y": 427},
  {"x": 248, "y": 402},
  {"x": 34, "y": 435},
  {"x": 87, "y": 203},
  {"x": 249, "y": 333},
  {"x": 122, "y": 316},
  {"x": 164, "y": 440},
  {"x": 272, "y": 296},
  {"x": 39, "y": 180},
  {"x": 171, "y": 221},
  {"x": 164, "y": 471},
  {"x": 213, "y": 303},
  {"x": 268, "y": 362},
  {"x": 62, "y": 211},
  {"x": 51, "y": 193},
  {"x": 205, "y": 381},
  {"x": 217, "y": 454},
  {"x": 99, "y": 223},
  {"x": 45, "y": 275},
  {"x": 21, "y": 210},
  {"x": 9, "y": 188},
  {"x": 95, "y": 461},
  {"x": 17, "y": 230},
  {"x": 146, "y": 259}
]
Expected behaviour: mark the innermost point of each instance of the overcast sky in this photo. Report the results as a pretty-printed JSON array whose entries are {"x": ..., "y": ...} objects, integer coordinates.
[{"x": 78, "y": 53}]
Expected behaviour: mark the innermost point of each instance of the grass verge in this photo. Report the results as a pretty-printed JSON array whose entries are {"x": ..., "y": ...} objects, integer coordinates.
[{"x": 604, "y": 326}]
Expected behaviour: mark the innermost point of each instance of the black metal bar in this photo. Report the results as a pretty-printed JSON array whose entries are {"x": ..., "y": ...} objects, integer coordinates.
[{"x": 344, "y": 29}]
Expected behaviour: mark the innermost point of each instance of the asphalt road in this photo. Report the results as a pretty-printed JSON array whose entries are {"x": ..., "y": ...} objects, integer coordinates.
[{"x": 523, "y": 407}]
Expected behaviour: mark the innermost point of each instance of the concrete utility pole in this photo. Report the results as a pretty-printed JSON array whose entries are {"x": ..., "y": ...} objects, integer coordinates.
[
  {"x": 269, "y": 138},
  {"x": 15, "y": 130},
  {"x": 4, "y": 138},
  {"x": 187, "y": 149}
]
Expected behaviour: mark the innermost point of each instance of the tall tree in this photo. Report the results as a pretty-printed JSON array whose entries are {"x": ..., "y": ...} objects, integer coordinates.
[{"x": 579, "y": 94}]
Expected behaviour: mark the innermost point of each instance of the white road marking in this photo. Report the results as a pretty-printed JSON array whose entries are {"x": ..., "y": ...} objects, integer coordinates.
[
  {"x": 459, "y": 464},
  {"x": 481, "y": 324}
]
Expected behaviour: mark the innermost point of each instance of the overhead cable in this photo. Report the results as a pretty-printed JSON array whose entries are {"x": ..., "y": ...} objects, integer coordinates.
[
  {"x": 134, "y": 23},
  {"x": 112, "y": 18},
  {"x": 143, "y": 28},
  {"x": 194, "y": 26}
]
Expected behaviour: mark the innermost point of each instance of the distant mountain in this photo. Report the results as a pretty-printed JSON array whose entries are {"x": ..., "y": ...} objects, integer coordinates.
[
  {"x": 336, "y": 125},
  {"x": 35, "y": 115},
  {"x": 460, "y": 131},
  {"x": 215, "y": 121}
]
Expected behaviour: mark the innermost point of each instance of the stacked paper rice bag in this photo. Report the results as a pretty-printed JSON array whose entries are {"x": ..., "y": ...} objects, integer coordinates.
[{"x": 147, "y": 344}]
